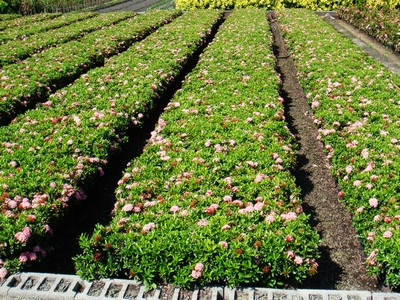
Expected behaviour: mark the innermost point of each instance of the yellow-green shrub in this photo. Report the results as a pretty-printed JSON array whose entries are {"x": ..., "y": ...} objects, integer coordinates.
[{"x": 277, "y": 4}]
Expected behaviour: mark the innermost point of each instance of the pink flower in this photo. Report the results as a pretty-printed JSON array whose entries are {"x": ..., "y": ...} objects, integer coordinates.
[
  {"x": 314, "y": 104},
  {"x": 290, "y": 254},
  {"x": 235, "y": 189},
  {"x": 127, "y": 207},
  {"x": 214, "y": 206},
  {"x": 47, "y": 229},
  {"x": 223, "y": 244},
  {"x": 184, "y": 213},
  {"x": 368, "y": 186},
  {"x": 259, "y": 177},
  {"x": 228, "y": 180},
  {"x": 226, "y": 227},
  {"x": 289, "y": 239},
  {"x": 394, "y": 141},
  {"x": 32, "y": 256},
  {"x": 259, "y": 206},
  {"x": 289, "y": 216},
  {"x": 357, "y": 183},
  {"x": 298, "y": 260},
  {"x": 371, "y": 260},
  {"x": 360, "y": 209},
  {"x": 373, "y": 202},
  {"x": 12, "y": 204},
  {"x": 199, "y": 267},
  {"x": 23, "y": 257},
  {"x": 196, "y": 274},
  {"x": 238, "y": 203},
  {"x": 371, "y": 236},
  {"x": 150, "y": 203},
  {"x": 365, "y": 153},
  {"x": 202, "y": 222},
  {"x": 3, "y": 273},
  {"x": 387, "y": 234},
  {"x": 149, "y": 227},
  {"x": 377, "y": 218},
  {"x": 349, "y": 169},
  {"x": 174, "y": 209},
  {"x": 23, "y": 235},
  {"x": 227, "y": 198},
  {"x": 369, "y": 167},
  {"x": 137, "y": 209},
  {"x": 269, "y": 219}
]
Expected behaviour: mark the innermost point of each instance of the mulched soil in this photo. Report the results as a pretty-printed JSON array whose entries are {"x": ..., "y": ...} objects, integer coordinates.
[{"x": 342, "y": 265}]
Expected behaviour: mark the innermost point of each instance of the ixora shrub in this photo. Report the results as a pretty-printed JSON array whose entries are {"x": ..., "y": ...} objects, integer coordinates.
[
  {"x": 24, "y": 83},
  {"x": 382, "y": 24},
  {"x": 355, "y": 101},
  {"x": 268, "y": 4},
  {"x": 19, "y": 49},
  {"x": 212, "y": 199},
  {"x": 50, "y": 154}
]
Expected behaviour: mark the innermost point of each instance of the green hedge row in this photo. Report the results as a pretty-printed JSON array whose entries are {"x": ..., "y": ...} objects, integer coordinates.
[{"x": 278, "y": 4}]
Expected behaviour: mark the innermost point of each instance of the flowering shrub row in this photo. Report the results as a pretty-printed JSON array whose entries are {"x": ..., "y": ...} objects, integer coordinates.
[
  {"x": 50, "y": 154},
  {"x": 382, "y": 24},
  {"x": 19, "y": 49},
  {"x": 21, "y": 32},
  {"x": 24, "y": 83},
  {"x": 268, "y": 4},
  {"x": 356, "y": 105},
  {"x": 7, "y": 17},
  {"x": 14, "y": 20},
  {"x": 212, "y": 199}
]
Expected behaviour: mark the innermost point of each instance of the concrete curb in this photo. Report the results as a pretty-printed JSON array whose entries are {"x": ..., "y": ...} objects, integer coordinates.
[{"x": 56, "y": 286}]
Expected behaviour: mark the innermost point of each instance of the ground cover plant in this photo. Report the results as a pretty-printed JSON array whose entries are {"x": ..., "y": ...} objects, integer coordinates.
[
  {"x": 355, "y": 101},
  {"x": 20, "y": 49},
  {"x": 15, "y": 20},
  {"x": 25, "y": 83},
  {"x": 21, "y": 32},
  {"x": 59, "y": 148},
  {"x": 383, "y": 24},
  {"x": 212, "y": 199}
]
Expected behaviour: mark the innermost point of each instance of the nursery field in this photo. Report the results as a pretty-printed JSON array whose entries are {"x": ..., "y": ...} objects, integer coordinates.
[{"x": 198, "y": 148}]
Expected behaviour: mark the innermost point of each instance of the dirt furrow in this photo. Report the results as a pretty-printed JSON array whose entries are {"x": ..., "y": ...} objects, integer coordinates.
[{"x": 342, "y": 262}]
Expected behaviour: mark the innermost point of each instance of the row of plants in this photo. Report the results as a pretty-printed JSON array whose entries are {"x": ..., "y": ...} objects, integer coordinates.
[
  {"x": 4, "y": 17},
  {"x": 51, "y": 154},
  {"x": 278, "y": 4},
  {"x": 30, "y": 7},
  {"x": 17, "y": 50},
  {"x": 356, "y": 106},
  {"x": 382, "y": 24},
  {"x": 211, "y": 199},
  {"x": 25, "y": 83},
  {"x": 14, "y": 20},
  {"x": 22, "y": 32}
]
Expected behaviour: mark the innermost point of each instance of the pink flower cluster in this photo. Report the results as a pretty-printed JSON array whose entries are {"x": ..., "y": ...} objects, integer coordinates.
[
  {"x": 211, "y": 209},
  {"x": 24, "y": 235},
  {"x": 3, "y": 272},
  {"x": 197, "y": 271},
  {"x": 289, "y": 216},
  {"x": 373, "y": 202},
  {"x": 149, "y": 227}
]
